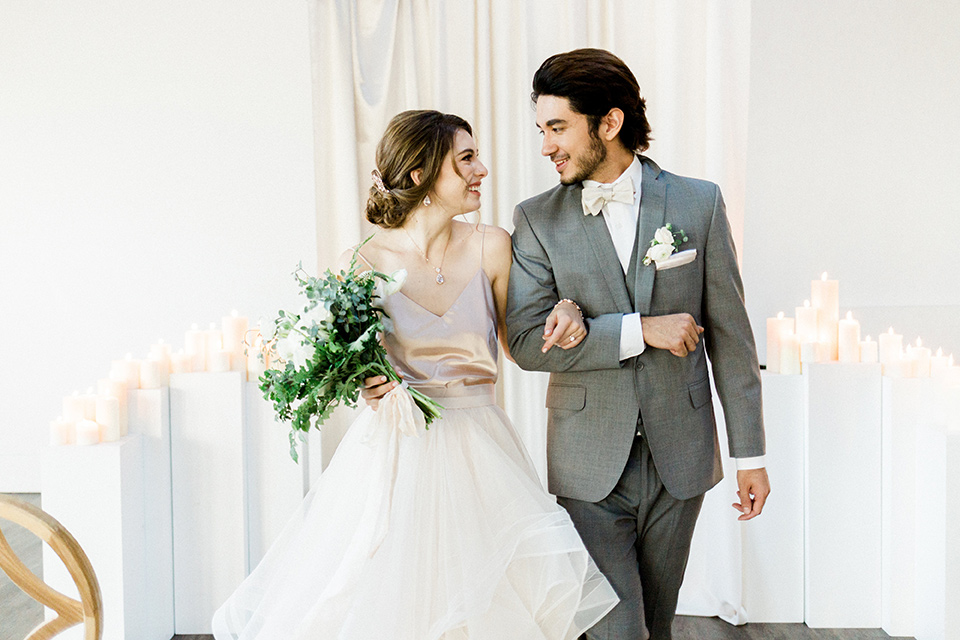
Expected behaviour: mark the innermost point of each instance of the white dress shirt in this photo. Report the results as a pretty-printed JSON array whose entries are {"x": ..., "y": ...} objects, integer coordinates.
[{"x": 622, "y": 220}]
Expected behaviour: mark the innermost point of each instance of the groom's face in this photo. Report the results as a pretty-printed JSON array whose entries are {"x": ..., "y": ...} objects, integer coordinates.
[{"x": 568, "y": 140}]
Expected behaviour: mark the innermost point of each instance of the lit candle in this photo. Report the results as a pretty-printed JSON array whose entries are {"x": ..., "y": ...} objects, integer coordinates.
[
  {"x": 902, "y": 367},
  {"x": 151, "y": 376},
  {"x": 868, "y": 351},
  {"x": 920, "y": 355},
  {"x": 218, "y": 361},
  {"x": 789, "y": 354},
  {"x": 62, "y": 432},
  {"x": 195, "y": 342},
  {"x": 891, "y": 344},
  {"x": 180, "y": 362},
  {"x": 108, "y": 417},
  {"x": 214, "y": 341},
  {"x": 825, "y": 296},
  {"x": 256, "y": 358},
  {"x": 160, "y": 352},
  {"x": 234, "y": 329},
  {"x": 939, "y": 364},
  {"x": 775, "y": 328},
  {"x": 116, "y": 389},
  {"x": 88, "y": 432},
  {"x": 807, "y": 320},
  {"x": 849, "y": 339},
  {"x": 73, "y": 408},
  {"x": 810, "y": 352},
  {"x": 127, "y": 370}
]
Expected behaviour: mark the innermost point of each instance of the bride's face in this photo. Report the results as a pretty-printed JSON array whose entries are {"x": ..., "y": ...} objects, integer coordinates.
[{"x": 458, "y": 186}]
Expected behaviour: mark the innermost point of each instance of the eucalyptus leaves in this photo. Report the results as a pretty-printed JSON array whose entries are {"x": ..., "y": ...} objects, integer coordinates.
[{"x": 325, "y": 351}]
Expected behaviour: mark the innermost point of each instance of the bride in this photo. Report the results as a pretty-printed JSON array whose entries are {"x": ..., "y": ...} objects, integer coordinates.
[{"x": 448, "y": 533}]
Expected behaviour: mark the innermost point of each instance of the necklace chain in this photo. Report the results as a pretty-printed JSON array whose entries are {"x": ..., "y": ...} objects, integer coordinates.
[{"x": 426, "y": 259}]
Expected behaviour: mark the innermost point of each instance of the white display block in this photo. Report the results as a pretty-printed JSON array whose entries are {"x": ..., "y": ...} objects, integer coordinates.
[
  {"x": 773, "y": 542},
  {"x": 149, "y": 416},
  {"x": 96, "y": 492},
  {"x": 208, "y": 487},
  {"x": 938, "y": 533},
  {"x": 275, "y": 483},
  {"x": 842, "y": 583},
  {"x": 904, "y": 404}
]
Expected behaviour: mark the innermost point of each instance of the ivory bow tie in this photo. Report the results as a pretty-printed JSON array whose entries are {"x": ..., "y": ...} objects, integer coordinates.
[{"x": 595, "y": 196}]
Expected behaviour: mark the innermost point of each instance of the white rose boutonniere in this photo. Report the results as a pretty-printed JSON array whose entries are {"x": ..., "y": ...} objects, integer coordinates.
[{"x": 665, "y": 242}]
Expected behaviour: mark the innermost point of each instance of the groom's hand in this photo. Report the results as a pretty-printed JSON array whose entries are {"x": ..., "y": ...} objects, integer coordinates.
[
  {"x": 678, "y": 333},
  {"x": 754, "y": 488}
]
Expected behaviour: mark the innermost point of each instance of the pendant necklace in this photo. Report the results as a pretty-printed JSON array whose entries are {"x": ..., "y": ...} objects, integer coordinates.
[{"x": 426, "y": 259}]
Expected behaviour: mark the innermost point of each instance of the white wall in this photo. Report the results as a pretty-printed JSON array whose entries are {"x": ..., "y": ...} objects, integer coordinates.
[
  {"x": 156, "y": 170},
  {"x": 853, "y": 165}
]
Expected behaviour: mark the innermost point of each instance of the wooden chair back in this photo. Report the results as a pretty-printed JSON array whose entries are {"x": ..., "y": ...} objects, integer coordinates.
[{"x": 89, "y": 609}]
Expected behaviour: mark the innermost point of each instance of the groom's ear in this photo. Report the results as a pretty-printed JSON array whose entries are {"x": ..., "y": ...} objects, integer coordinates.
[{"x": 610, "y": 124}]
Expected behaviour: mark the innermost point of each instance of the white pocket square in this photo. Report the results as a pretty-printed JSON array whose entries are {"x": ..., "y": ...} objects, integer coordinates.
[{"x": 677, "y": 260}]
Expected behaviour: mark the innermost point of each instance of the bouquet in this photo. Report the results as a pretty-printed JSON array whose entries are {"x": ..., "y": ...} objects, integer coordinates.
[{"x": 324, "y": 353}]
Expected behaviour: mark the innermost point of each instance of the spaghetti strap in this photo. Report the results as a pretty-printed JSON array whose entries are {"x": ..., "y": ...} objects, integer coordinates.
[
  {"x": 365, "y": 261},
  {"x": 483, "y": 236}
]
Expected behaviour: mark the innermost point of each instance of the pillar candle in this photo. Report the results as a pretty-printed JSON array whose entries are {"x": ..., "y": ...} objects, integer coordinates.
[
  {"x": 825, "y": 296},
  {"x": 849, "y": 339},
  {"x": 195, "y": 343},
  {"x": 62, "y": 432},
  {"x": 939, "y": 365},
  {"x": 869, "y": 351},
  {"x": 118, "y": 390},
  {"x": 218, "y": 361},
  {"x": 234, "y": 329},
  {"x": 160, "y": 352},
  {"x": 789, "y": 354},
  {"x": 108, "y": 417},
  {"x": 920, "y": 355},
  {"x": 151, "y": 376},
  {"x": 810, "y": 352},
  {"x": 73, "y": 408},
  {"x": 807, "y": 319},
  {"x": 127, "y": 370},
  {"x": 88, "y": 432},
  {"x": 776, "y": 327},
  {"x": 902, "y": 367},
  {"x": 214, "y": 344},
  {"x": 890, "y": 346},
  {"x": 256, "y": 358},
  {"x": 180, "y": 362}
]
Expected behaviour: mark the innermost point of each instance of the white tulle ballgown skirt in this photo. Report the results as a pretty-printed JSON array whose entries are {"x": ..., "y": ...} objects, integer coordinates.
[{"x": 447, "y": 534}]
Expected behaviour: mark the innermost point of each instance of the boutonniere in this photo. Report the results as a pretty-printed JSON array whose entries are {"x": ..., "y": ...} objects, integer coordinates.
[{"x": 665, "y": 242}]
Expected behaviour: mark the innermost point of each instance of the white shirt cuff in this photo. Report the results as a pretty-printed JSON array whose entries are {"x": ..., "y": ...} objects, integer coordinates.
[
  {"x": 745, "y": 464},
  {"x": 631, "y": 336}
]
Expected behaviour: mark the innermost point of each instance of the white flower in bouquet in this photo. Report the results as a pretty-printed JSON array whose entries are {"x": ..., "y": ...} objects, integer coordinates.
[
  {"x": 386, "y": 288},
  {"x": 293, "y": 348},
  {"x": 268, "y": 329}
]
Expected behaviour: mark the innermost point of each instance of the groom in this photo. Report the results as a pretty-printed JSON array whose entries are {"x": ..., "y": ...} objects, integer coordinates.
[{"x": 632, "y": 442}]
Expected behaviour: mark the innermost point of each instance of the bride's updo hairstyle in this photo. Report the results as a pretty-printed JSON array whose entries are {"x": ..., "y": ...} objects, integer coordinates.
[{"x": 413, "y": 140}]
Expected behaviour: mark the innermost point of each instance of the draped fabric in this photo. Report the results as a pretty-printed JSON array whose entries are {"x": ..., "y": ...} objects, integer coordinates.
[{"x": 476, "y": 58}]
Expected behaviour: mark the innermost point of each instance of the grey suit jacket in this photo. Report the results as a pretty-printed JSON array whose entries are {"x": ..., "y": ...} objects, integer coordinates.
[{"x": 594, "y": 400}]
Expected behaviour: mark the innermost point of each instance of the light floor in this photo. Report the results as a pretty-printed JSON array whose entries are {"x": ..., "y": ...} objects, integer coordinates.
[{"x": 19, "y": 614}]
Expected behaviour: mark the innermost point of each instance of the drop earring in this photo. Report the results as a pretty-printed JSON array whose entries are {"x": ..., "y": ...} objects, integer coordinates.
[{"x": 426, "y": 201}]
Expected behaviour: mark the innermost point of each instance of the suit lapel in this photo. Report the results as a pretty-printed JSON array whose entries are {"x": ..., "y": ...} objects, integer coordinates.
[
  {"x": 653, "y": 201},
  {"x": 598, "y": 236}
]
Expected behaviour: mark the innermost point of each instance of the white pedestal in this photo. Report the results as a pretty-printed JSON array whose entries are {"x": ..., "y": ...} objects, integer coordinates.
[
  {"x": 842, "y": 497},
  {"x": 904, "y": 404},
  {"x": 149, "y": 416},
  {"x": 96, "y": 492},
  {"x": 275, "y": 483},
  {"x": 209, "y": 519},
  {"x": 773, "y": 542},
  {"x": 938, "y": 533}
]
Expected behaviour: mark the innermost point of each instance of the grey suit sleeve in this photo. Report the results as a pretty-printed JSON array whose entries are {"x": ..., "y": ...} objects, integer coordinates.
[
  {"x": 531, "y": 297},
  {"x": 729, "y": 340}
]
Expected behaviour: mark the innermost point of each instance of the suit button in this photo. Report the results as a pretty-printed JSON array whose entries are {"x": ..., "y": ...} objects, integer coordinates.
[{"x": 639, "y": 366}]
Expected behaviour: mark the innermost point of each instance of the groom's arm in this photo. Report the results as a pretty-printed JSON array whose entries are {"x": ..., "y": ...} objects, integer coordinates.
[{"x": 532, "y": 294}]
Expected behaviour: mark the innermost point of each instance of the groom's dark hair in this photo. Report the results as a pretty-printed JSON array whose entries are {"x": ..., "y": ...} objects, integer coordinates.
[{"x": 595, "y": 81}]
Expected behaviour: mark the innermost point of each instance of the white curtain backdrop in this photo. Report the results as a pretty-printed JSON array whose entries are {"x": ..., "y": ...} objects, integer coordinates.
[{"x": 476, "y": 58}]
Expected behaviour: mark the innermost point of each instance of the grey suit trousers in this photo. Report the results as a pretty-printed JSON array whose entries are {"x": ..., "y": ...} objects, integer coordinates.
[{"x": 639, "y": 536}]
